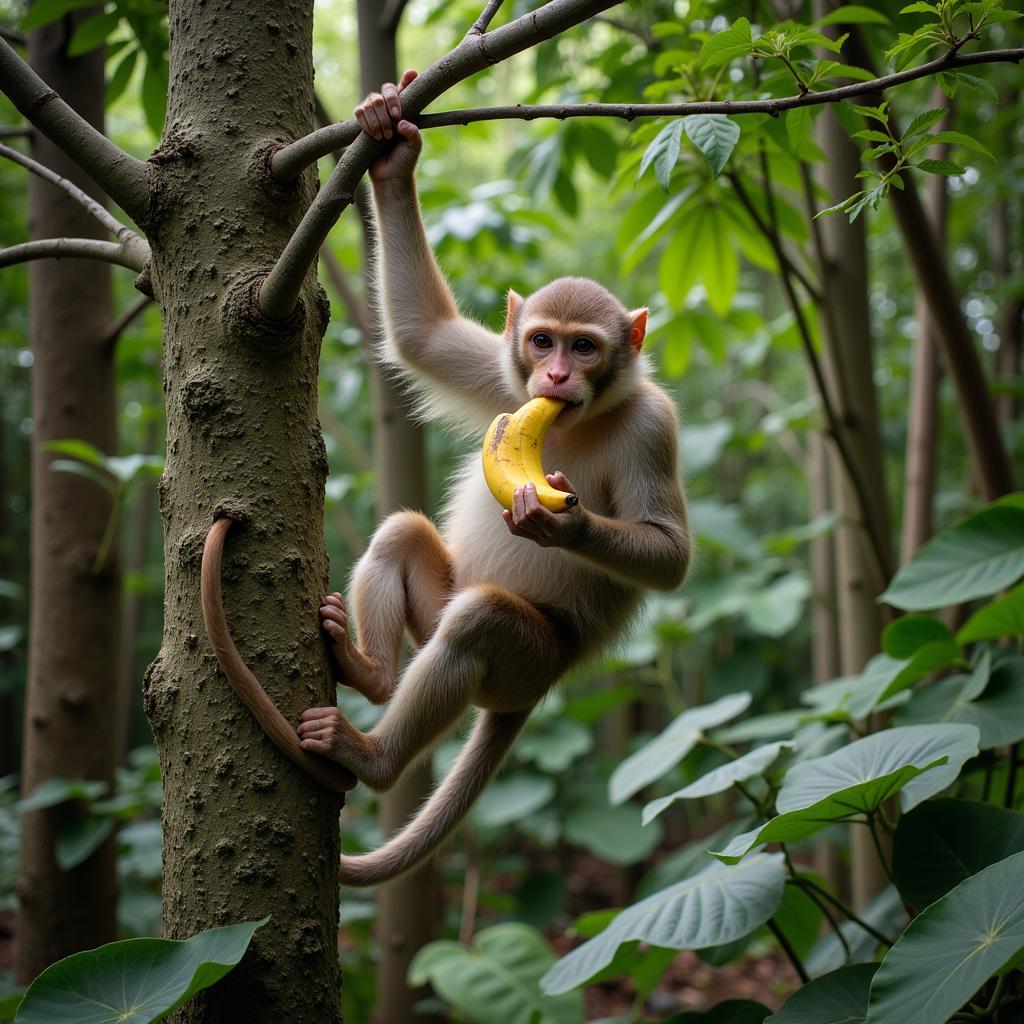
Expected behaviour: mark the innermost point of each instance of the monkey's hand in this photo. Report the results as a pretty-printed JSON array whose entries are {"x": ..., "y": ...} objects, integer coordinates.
[
  {"x": 321, "y": 731},
  {"x": 529, "y": 518},
  {"x": 380, "y": 116}
]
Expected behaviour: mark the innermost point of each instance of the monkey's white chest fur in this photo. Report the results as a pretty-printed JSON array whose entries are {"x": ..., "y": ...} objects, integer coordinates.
[{"x": 486, "y": 552}]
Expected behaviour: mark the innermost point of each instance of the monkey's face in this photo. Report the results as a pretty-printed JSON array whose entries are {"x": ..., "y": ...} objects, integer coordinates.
[{"x": 574, "y": 341}]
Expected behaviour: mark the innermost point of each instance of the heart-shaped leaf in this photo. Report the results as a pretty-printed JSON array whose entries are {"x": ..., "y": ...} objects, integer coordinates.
[
  {"x": 952, "y": 948},
  {"x": 716, "y": 906},
  {"x": 1004, "y": 617},
  {"x": 837, "y": 998},
  {"x": 135, "y": 981}
]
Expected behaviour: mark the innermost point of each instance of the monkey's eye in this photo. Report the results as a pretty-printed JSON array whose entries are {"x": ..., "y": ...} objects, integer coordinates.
[
  {"x": 542, "y": 340},
  {"x": 583, "y": 345}
]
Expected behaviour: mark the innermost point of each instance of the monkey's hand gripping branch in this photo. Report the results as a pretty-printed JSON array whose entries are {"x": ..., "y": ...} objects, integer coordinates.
[
  {"x": 280, "y": 291},
  {"x": 249, "y": 689}
]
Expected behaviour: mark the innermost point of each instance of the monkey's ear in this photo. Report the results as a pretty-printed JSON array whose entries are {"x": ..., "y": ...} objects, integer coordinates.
[
  {"x": 637, "y": 328},
  {"x": 515, "y": 300}
]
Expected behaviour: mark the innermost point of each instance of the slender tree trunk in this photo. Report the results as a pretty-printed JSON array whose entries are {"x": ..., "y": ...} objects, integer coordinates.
[
  {"x": 849, "y": 345},
  {"x": 923, "y": 420},
  {"x": 71, "y": 700},
  {"x": 409, "y": 908},
  {"x": 246, "y": 833}
]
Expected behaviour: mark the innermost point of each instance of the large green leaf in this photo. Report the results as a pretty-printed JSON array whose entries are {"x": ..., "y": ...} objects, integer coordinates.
[
  {"x": 494, "y": 981},
  {"x": 976, "y": 557},
  {"x": 720, "y": 779},
  {"x": 615, "y": 834},
  {"x": 952, "y": 948},
  {"x": 52, "y": 792},
  {"x": 857, "y": 779},
  {"x": 942, "y": 842},
  {"x": 663, "y": 152},
  {"x": 1004, "y": 617},
  {"x": 135, "y": 981},
  {"x": 997, "y": 711},
  {"x": 511, "y": 798},
  {"x": 732, "y": 42},
  {"x": 837, "y": 998},
  {"x": 732, "y": 1011},
  {"x": 715, "y": 137},
  {"x": 716, "y": 906},
  {"x": 665, "y": 751}
]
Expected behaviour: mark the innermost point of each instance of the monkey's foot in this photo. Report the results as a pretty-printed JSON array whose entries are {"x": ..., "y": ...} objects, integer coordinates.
[
  {"x": 354, "y": 668},
  {"x": 326, "y": 731}
]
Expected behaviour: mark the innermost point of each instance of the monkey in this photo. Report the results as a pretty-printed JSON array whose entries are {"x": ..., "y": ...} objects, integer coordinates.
[{"x": 498, "y": 604}]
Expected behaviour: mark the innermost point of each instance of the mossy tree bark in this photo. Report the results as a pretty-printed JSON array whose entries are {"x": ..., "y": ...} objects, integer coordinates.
[
  {"x": 246, "y": 834},
  {"x": 71, "y": 700}
]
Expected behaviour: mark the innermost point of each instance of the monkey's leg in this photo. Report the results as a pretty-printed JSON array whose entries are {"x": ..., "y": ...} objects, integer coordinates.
[
  {"x": 403, "y": 581},
  {"x": 490, "y": 648}
]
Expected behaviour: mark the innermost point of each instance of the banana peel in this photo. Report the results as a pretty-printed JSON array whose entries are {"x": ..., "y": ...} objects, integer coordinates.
[{"x": 512, "y": 451}]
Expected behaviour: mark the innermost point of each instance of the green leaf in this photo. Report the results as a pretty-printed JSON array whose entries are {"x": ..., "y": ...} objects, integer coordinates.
[
  {"x": 920, "y": 7},
  {"x": 122, "y": 76},
  {"x": 59, "y": 791},
  {"x": 732, "y": 1011},
  {"x": 978, "y": 85},
  {"x": 722, "y": 47},
  {"x": 93, "y": 32},
  {"x": 858, "y": 779},
  {"x": 128, "y": 467},
  {"x": 976, "y": 557},
  {"x": 962, "y": 140},
  {"x": 944, "y": 167},
  {"x": 555, "y": 746},
  {"x": 615, "y": 834},
  {"x": 852, "y": 14},
  {"x": 97, "y": 476},
  {"x": 495, "y": 981},
  {"x": 43, "y": 12},
  {"x": 1004, "y": 617},
  {"x": 80, "y": 839},
  {"x": 924, "y": 121},
  {"x": 81, "y": 450},
  {"x": 663, "y": 152},
  {"x": 998, "y": 713},
  {"x": 720, "y": 270},
  {"x": 798, "y": 127},
  {"x": 135, "y": 981},
  {"x": 942, "y": 842},
  {"x": 837, "y": 998},
  {"x": 777, "y": 609},
  {"x": 884, "y": 912},
  {"x": 680, "y": 262},
  {"x": 905, "y": 636},
  {"x": 715, "y": 136},
  {"x": 154, "y": 93},
  {"x": 720, "y": 779},
  {"x": 716, "y": 906},
  {"x": 666, "y": 750},
  {"x": 512, "y": 797},
  {"x": 952, "y": 948}
]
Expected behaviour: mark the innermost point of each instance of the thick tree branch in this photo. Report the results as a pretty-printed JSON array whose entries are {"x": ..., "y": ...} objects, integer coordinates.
[
  {"x": 128, "y": 238},
  {"x": 120, "y": 175},
  {"x": 289, "y": 161},
  {"x": 280, "y": 290},
  {"x": 66, "y": 248}
]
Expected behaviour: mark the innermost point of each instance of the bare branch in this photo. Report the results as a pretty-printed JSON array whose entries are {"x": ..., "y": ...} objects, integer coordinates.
[
  {"x": 289, "y": 161},
  {"x": 98, "y": 210},
  {"x": 125, "y": 320},
  {"x": 120, "y": 175},
  {"x": 392, "y": 15},
  {"x": 66, "y": 248},
  {"x": 280, "y": 290},
  {"x": 15, "y": 131},
  {"x": 479, "y": 27}
]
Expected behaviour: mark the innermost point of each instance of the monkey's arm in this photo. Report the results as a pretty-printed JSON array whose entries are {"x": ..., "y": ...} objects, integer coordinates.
[{"x": 461, "y": 359}]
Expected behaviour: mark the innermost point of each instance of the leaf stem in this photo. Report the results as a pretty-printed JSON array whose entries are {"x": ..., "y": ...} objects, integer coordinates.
[{"x": 788, "y": 949}]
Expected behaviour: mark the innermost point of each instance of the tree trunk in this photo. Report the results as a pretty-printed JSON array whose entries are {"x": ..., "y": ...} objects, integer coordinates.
[
  {"x": 848, "y": 342},
  {"x": 922, "y": 416},
  {"x": 71, "y": 700},
  {"x": 408, "y": 909},
  {"x": 246, "y": 833}
]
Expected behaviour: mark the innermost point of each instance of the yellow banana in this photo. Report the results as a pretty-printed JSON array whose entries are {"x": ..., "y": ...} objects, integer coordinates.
[{"x": 512, "y": 454}]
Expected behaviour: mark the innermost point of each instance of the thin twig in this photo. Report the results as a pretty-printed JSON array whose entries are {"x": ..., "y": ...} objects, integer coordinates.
[
  {"x": 280, "y": 290},
  {"x": 479, "y": 27},
  {"x": 15, "y": 131},
  {"x": 292, "y": 159},
  {"x": 120, "y": 175},
  {"x": 125, "y": 320},
  {"x": 1009, "y": 794},
  {"x": 835, "y": 431},
  {"x": 845, "y": 910},
  {"x": 123, "y": 233},
  {"x": 67, "y": 248},
  {"x": 788, "y": 949}
]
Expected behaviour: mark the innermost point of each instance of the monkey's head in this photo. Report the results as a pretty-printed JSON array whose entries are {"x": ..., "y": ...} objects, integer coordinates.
[{"x": 575, "y": 341}]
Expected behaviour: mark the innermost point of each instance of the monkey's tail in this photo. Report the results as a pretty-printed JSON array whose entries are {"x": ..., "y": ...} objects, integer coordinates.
[{"x": 491, "y": 738}]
